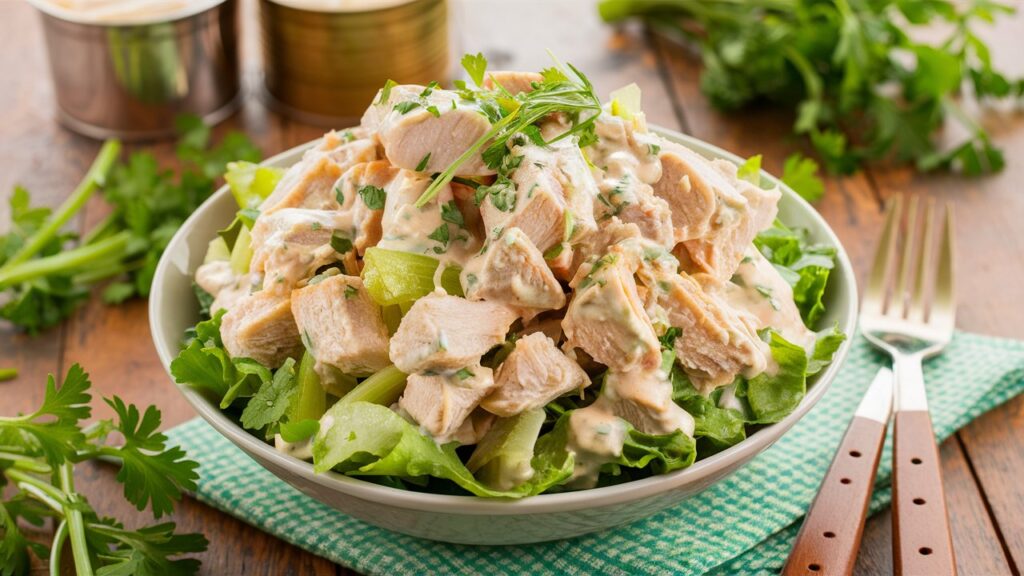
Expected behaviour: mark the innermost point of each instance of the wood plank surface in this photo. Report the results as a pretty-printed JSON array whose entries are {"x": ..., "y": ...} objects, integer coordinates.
[{"x": 982, "y": 465}]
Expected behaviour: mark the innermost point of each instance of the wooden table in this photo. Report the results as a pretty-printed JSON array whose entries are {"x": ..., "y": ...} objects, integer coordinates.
[{"x": 982, "y": 464}]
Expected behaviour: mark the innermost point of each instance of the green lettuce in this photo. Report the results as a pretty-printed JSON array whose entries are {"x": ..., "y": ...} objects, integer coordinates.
[
  {"x": 806, "y": 267},
  {"x": 719, "y": 427},
  {"x": 365, "y": 439}
]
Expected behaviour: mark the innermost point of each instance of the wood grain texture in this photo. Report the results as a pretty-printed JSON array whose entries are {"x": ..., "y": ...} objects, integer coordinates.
[
  {"x": 984, "y": 494},
  {"x": 831, "y": 533},
  {"x": 922, "y": 543}
]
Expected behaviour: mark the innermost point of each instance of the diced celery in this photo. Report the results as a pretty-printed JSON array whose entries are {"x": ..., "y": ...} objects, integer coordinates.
[
  {"x": 241, "y": 253},
  {"x": 502, "y": 458},
  {"x": 393, "y": 277},
  {"x": 384, "y": 387},
  {"x": 310, "y": 401},
  {"x": 392, "y": 317},
  {"x": 626, "y": 101},
  {"x": 250, "y": 183},
  {"x": 217, "y": 250}
]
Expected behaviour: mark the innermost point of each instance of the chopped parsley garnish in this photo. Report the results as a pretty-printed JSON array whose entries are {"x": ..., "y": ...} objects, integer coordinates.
[
  {"x": 441, "y": 235},
  {"x": 373, "y": 197},
  {"x": 407, "y": 106},
  {"x": 653, "y": 149},
  {"x": 434, "y": 111},
  {"x": 339, "y": 195},
  {"x": 668, "y": 339},
  {"x": 464, "y": 374},
  {"x": 450, "y": 213},
  {"x": 341, "y": 243},
  {"x": 385, "y": 92},
  {"x": 351, "y": 292},
  {"x": 348, "y": 136},
  {"x": 315, "y": 226},
  {"x": 429, "y": 89}
]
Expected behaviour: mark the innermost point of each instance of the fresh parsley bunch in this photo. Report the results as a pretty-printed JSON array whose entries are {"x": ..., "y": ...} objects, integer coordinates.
[
  {"x": 861, "y": 86},
  {"x": 38, "y": 452},
  {"x": 42, "y": 281}
]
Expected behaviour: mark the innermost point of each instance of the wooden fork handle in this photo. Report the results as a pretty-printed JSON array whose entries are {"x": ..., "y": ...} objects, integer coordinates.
[
  {"x": 831, "y": 533},
  {"x": 922, "y": 543}
]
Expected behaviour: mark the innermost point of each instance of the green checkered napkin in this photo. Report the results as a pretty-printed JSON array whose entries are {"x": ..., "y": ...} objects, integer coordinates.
[{"x": 743, "y": 525}]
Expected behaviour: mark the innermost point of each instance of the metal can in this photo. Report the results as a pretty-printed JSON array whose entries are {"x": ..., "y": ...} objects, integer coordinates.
[
  {"x": 131, "y": 80},
  {"x": 323, "y": 65}
]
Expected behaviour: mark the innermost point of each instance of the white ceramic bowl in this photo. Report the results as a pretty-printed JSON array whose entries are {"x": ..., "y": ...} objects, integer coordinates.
[{"x": 469, "y": 519}]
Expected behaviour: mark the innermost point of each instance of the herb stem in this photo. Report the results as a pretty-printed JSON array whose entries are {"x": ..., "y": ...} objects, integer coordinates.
[
  {"x": 56, "y": 551},
  {"x": 102, "y": 229},
  {"x": 26, "y": 463},
  {"x": 76, "y": 522},
  {"x": 64, "y": 261},
  {"x": 93, "y": 178},
  {"x": 8, "y": 374},
  {"x": 38, "y": 489}
]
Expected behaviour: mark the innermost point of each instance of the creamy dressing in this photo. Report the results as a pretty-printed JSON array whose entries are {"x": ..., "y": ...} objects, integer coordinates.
[
  {"x": 303, "y": 450},
  {"x": 596, "y": 436},
  {"x": 226, "y": 287},
  {"x": 291, "y": 243},
  {"x": 624, "y": 149},
  {"x": 758, "y": 289}
]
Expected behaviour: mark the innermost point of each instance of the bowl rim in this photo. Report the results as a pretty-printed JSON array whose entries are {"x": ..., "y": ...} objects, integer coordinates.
[
  {"x": 541, "y": 503},
  {"x": 187, "y": 10}
]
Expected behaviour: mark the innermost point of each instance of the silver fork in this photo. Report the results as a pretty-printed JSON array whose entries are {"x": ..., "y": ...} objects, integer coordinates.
[{"x": 911, "y": 322}]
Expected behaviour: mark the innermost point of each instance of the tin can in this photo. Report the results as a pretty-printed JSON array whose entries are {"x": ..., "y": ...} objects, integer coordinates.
[
  {"x": 131, "y": 80},
  {"x": 321, "y": 66}
]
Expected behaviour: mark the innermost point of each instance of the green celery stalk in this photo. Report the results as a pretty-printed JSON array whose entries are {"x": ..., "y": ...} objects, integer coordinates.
[
  {"x": 310, "y": 401},
  {"x": 64, "y": 261},
  {"x": 502, "y": 458},
  {"x": 384, "y": 387},
  {"x": 251, "y": 183},
  {"x": 241, "y": 252},
  {"x": 8, "y": 374},
  {"x": 217, "y": 249},
  {"x": 393, "y": 277},
  {"x": 93, "y": 178}
]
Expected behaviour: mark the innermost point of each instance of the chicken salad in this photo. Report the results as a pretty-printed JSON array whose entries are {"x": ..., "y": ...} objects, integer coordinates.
[{"x": 503, "y": 289}]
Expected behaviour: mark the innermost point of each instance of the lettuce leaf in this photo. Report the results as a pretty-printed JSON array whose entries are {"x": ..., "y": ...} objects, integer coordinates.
[
  {"x": 772, "y": 397},
  {"x": 364, "y": 439},
  {"x": 806, "y": 267},
  {"x": 721, "y": 427}
]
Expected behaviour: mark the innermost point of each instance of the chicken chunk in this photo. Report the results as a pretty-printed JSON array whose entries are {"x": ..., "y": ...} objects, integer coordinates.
[
  {"x": 644, "y": 399},
  {"x": 311, "y": 182},
  {"x": 442, "y": 333},
  {"x": 260, "y": 326},
  {"x": 441, "y": 403},
  {"x": 623, "y": 148},
  {"x": 715, "y": 345},
  {"x": 720, "y": 252},
  {"x": 632, "y": 201},
  {"x": 761, "y": 297},
  {"x": 290, "y": 244},
  {"x": 691, "y": 186},
  {"x": 535, "y": 373},
  {"x": 355, "y": 186},
  {"x": 421, "y": 130},
  {"x": 409, "y": 228},
  {"x": 341, "y": 326},
  {"x": 550, "y": 195},
  {"x": 511, "y": 270},
  {"x": 607, "y": 320},
  {"x": 716, "y": 215},
  {"x": 512, "y": 81}
]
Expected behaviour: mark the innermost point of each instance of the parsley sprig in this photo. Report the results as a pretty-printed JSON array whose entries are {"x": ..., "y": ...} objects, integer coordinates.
[
  {"x": 38, "y": 452},
  {"x": 43, "y": 279},
  {"x": 862, "y": 85},
  {"x": 570, "y": 93}
]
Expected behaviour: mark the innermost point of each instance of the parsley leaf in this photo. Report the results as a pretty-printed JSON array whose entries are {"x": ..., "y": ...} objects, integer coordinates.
[
  {"x": 450, "y": 213},
  {"x": 801, "y": 174},
  {"x": 475, "y": 66},
  {"x": 153, "y": 474},
  {"x": 341, "y": 243},
  {"x": 271, "y": 401},
  {"x": 441, "y": 235},
  {"x": 407, "y": 106},
  {"x": 373, "y": 197}
]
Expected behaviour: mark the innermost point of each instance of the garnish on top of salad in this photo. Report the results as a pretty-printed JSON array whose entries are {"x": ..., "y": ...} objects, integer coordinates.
[{"x": 504, "y": 289}]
